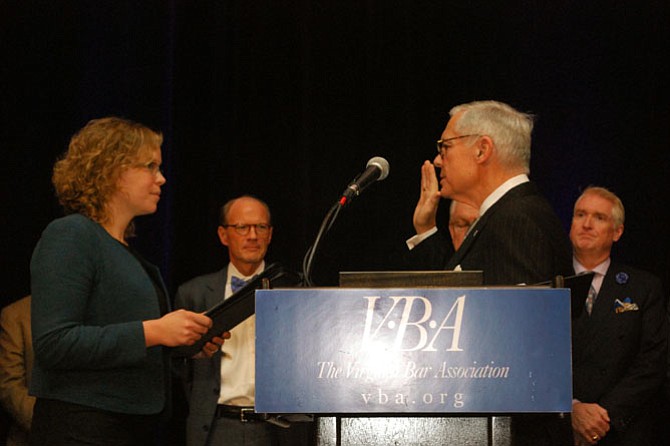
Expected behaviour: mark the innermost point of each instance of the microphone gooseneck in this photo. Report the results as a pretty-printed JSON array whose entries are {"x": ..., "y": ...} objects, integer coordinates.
[{"x": 377, "y": 169}]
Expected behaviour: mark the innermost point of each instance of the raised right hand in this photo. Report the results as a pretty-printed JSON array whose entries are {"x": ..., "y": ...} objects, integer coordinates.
[{"x": 425, "y": 213}]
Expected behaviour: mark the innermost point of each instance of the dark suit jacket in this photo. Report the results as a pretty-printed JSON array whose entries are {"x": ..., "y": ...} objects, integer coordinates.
[
  {"x": 619, "y": 358},
  {"x": 204, "y": 377},
  {"x": 16, "y": 364},
  {"x": 518, "y": 240}
]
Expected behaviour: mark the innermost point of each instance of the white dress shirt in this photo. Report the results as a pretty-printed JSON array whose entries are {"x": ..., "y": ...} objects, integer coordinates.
[
  {"x": 599, "y": 271},
  {"x": 238, "y": 362}
]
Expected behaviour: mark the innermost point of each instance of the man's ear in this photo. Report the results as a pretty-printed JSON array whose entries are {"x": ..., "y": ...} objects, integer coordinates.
[
  {"x": 223, "y": 235},
  {"x": 484, "y": 148}
]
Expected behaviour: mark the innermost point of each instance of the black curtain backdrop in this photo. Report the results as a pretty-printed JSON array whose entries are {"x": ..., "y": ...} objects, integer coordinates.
[{"x": 287, "y": 100}]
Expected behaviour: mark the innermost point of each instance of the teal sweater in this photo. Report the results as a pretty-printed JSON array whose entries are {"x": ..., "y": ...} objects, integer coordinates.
[{"x": 90, "y": 296}]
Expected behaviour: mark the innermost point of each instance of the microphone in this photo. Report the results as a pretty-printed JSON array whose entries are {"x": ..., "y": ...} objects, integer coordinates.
[{"x": 376, "y": 170}]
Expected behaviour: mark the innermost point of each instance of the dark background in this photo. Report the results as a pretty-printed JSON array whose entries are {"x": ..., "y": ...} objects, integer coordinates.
[{"x": 289, "y": 99}]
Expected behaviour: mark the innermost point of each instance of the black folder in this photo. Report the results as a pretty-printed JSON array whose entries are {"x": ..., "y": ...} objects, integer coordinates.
[
  {"x": 579, "y": 286},
  {"x": 238, "y": 307}
]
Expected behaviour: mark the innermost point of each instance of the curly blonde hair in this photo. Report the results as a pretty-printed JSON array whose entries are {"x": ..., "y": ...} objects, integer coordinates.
[{"x": 86, "y": 176}]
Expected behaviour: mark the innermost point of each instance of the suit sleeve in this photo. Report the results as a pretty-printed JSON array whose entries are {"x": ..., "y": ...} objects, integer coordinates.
[
  {"x": 189, "y": 298},
  {"x": 13, "y": 368},
  {"x": 181, "y": 299},
  {"x": 643, "y": 378},
  {"x": 430, "y": 254},
  {"x": 64, "y": 273},
  {"x": 182, "y": 366}
]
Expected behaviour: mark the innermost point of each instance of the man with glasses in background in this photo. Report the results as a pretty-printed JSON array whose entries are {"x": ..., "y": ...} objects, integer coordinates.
[
  {"x": 221, "y": 389},
  {"x": 484, "y": 157}
]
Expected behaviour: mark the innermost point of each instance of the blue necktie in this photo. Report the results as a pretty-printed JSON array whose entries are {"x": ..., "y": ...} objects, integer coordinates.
[{"x": 236, "y": 283}]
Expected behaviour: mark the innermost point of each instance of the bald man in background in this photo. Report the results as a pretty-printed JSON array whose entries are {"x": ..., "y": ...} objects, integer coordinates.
[
  {"x": 461, "y": 218},
  {"x": 221, "y": 389}
]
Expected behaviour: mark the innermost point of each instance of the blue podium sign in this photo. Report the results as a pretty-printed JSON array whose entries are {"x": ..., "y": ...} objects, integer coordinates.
[{"x": 428, "y": 350}]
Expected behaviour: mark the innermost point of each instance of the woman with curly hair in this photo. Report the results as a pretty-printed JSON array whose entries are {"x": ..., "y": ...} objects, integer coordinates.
[{"x": 101, "y": 316}]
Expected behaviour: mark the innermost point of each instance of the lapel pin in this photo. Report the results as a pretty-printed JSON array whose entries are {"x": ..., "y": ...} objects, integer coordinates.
[{"x": 621, "y": 278}]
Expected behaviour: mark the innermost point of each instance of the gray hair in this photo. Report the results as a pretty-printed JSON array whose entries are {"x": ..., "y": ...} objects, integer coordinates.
[
  {"x": 618, "y": 212},
  {"x": 508, "y": 128}
]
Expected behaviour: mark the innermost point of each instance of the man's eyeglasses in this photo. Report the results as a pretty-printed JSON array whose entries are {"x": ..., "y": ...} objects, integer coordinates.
[
  {"x": 261, "y": 228},
  {"x": 443, "y": 144}
]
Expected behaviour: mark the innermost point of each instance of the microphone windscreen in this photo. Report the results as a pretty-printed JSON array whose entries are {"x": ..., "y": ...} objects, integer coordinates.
[{"x": 382, "y": 164}]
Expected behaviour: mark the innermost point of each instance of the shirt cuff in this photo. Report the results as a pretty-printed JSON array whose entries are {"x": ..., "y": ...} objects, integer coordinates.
[{"x": 413, "y": 242}]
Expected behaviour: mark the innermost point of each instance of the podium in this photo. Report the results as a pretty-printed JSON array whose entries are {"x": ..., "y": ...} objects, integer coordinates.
[{"x": 413, "y": 364}]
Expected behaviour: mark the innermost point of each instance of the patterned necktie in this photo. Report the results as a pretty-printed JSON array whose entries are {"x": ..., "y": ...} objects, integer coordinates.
[
  {"x": 236, "y": 283},
  {"x": 590, "y": 299}
]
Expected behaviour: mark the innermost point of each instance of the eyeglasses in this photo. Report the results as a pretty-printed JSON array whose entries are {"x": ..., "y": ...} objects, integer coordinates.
[
  {"x": 261, "y": 228},
  {"x": 153, "y": 167},
  {"x": 442, "y": 144}
]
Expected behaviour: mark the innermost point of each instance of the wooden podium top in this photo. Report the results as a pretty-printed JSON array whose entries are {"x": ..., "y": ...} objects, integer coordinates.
[{"x": 409, "y": 279}]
